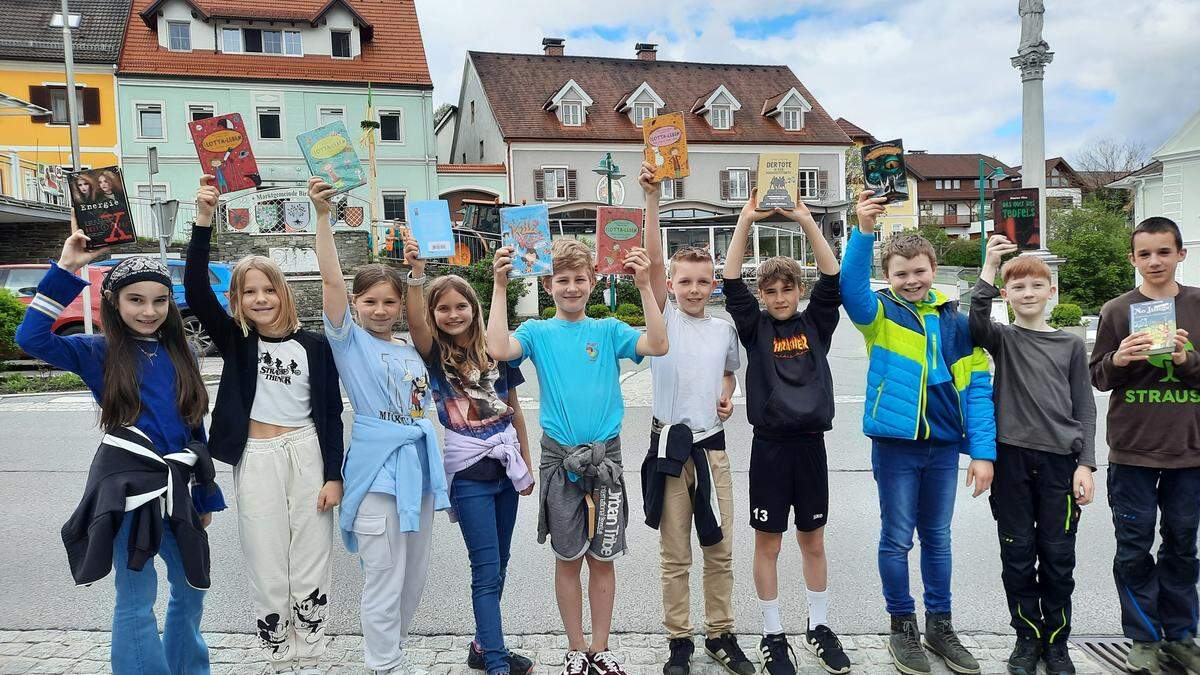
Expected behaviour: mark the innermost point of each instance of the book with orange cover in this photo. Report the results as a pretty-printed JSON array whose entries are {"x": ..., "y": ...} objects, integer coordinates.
[
  {"x": 618, "y": 230},
  {"x": 666, "y": 145}
]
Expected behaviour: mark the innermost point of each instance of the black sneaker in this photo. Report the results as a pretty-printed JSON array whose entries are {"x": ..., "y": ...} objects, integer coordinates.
[
  {"x": 517, "y": 664},
  {"x": 681, "y": 657},
  {"x": 776, "y": 655},
  {"x": 1024, "y": 657},
  {"x": 725, "y": 650},
  {"x": 1058, "y": 660},
  {"x": 941, "y": 639},
  {"x": 822, "y": 642}
]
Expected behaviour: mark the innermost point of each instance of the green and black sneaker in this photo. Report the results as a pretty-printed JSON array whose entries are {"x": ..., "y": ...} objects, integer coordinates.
[
  {"x": 1145, "y": 658},
  {"x": 941, "y": 639},
  {"x": 1185, "y": 653},
  {"x": 1024, "y": 657}
]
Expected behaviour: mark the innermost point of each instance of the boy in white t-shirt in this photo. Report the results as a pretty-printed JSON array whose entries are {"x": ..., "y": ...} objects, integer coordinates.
[{"x": 686, "y": 473}]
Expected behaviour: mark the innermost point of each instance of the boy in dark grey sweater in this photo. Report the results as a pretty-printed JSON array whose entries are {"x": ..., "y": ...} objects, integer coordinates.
[{"x": 1045, "y": 433}]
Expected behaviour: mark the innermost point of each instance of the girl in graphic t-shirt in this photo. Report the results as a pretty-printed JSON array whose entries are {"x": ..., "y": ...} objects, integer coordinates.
[
  {"x": 278, "y": 421},
  {"x": 486, "y": 447},
  {"x": 393, "y": 468}
]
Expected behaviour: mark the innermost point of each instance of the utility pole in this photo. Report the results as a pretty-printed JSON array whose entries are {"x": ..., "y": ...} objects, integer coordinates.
[{"x": 73, "y": 118}]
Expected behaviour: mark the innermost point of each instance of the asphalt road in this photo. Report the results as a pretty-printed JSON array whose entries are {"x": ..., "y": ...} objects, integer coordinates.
[{"x": 44, "y": 456}]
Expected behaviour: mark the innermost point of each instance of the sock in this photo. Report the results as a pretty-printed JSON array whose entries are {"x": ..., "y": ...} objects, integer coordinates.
[
  {"x": 770, "y": 615},
  {"x": 818, "y": 607}
]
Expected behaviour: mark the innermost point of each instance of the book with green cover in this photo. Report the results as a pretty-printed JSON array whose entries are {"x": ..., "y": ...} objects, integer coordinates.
[{"x": 330, "y": 155}]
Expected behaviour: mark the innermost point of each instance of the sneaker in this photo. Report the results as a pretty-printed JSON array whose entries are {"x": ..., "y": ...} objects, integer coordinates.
[
  {"x": 904, "y": 644},
  {"x": 1145, "y": 658},
  {"x": 941, "y": 639},
  {"x": 605, "y": 663},
  {"x": 517, "y": 664},
  {"x": 822, "y": 642},
  {"x": 1024, "y": 657},
  {"x": 681, "y": 657},
  {"x": 776, "y": 655},
  {"x": 725, "y": 650},
  {"x": 575, "y": 663},
  {"x": 1185, "y": 653},
  {"x": 1058, "y": 659}
]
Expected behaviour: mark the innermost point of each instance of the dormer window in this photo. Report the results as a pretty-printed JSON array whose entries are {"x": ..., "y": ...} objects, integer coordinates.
[
  {"x": 642, "y": 112},
  {"x": 792, "y": 119},
  {"x": 570, "y": 104},
  {"x": 340, "y": 44},
  {"x": 640, "y": 104},
  {"x": 260, "y": 41},
  {"x": 788, "y": 109},
  {"x": 718, "y": 107},
  {"x": 571, "y": 113},
  {"x": 179, "y": 36},
  {"x": 719, "y": 117}
]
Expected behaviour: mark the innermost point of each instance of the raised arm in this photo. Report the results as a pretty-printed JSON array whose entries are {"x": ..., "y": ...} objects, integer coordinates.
[
  {"x": 414, "y": 298},
  {"x": 861, "y": 305},
  {"x": 741, "y": 237},
  {"x": 197, "y": 290},
  {"x": 985, "y": 332},
  {"x": 333, "y": 285},
  {"x": 654, "y": 341},
  {"x": 658, "y": 270},
  {"x": 827, "y": 262},
  {"x": 56, "y": 290},
  {"x": 500, "y": 344}
]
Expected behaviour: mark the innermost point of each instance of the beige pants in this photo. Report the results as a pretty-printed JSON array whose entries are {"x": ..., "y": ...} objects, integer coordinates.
[{"x": 676, "y": 548}]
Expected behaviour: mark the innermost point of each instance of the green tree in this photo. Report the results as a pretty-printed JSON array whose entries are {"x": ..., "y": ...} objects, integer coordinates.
[
  {"x": 12, "y": 311},
  {"x": 854, "y": 183},
  {"x": 1095, "y": 242}
]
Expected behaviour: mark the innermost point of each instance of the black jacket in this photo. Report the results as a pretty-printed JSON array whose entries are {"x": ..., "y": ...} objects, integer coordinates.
[
  {"x": 669, "y": 461},
  {"x": 239, "y": 374},
  {"x": 127, "y": 473}
]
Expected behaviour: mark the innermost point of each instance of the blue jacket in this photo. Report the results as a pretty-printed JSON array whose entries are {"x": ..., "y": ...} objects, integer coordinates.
[
  {"x": 372, "y": 442},
  {"x": 899, "y": 349}
]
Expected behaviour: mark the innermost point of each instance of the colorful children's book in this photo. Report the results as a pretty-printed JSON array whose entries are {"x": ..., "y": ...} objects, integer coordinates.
[
  {"x": 1156, "y": 318},
  {"x": 884, "y": 172},
  {"x": 778, "y": 180},
  {"x": 617, "y": 230},
  {"x": 527, "y": 230},
  {"x": 224, "y": 150},
  {"x": 430, "y": 224},
  {"x": 666, "y": 145},
  {"x": 330, "y": 155},
  {"x": 101, "y": 207},
  {"x": 1016, "y": 214}
]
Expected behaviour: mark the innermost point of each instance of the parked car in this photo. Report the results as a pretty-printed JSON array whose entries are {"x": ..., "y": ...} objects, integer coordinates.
[{"x": 22, "y": 281}]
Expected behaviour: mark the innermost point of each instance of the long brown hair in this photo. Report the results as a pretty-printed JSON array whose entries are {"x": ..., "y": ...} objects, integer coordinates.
[
  {"x": 459, "y": 358},
  {"x": 121, "y": 400}
]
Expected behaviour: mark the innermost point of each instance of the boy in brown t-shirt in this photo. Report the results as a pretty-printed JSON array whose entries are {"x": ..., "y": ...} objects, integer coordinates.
[{"x": 1154, "y": 456}]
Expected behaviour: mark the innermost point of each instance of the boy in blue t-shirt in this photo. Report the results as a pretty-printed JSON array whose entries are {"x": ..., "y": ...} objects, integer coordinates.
[{"x": 582, "y": 503}]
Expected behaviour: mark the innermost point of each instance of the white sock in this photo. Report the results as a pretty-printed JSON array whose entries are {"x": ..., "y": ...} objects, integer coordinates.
[
  {"x": 770, "y": 615},
  {"x": 818, "y": 607}
]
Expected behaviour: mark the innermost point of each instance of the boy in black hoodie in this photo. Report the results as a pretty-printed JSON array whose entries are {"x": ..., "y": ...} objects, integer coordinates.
[{"x": 789, "y": 400}]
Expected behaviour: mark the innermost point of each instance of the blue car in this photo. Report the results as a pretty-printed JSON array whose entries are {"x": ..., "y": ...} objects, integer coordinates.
[{"x": 219, "y": 276}]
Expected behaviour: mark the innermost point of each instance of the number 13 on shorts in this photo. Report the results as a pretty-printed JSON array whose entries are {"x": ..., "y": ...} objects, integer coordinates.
[{"x": 759, "y": 514}]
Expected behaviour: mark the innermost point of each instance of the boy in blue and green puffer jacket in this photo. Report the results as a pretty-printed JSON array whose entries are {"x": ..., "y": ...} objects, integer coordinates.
[{"x": 929, "y": 398}]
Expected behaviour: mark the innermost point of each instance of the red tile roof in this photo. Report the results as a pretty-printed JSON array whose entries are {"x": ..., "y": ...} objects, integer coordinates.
[
  {"x": 854, "y": 131},
  {"x": 394, "y": 53},
  {"x": 471, "y": 168},
  {"x": 927, "y": 166},
  {"x": 517, "y": 85}
]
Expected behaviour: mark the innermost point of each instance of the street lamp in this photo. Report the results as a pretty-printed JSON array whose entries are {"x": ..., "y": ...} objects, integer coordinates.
[
  {"x": 610, "y": 170},
  {"x": 997, "y": 173},
  {"x": 66, "y": 20}
]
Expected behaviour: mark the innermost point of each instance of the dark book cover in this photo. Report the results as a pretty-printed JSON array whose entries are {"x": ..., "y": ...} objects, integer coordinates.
[
  {"x": 1016, "y": 215},
  {"x": 778, "y": 180},
  {"x": 101, "y": 207},
  {"x": 483, "y": 216},
  {"x": 1156, "y": 318},
  {"x": 224, "y": 150},
  {"x": 618, "y": 230},
  {"x": 884, "y": 172}
]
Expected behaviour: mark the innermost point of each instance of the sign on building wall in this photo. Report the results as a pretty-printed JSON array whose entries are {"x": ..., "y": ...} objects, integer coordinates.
[
  {"x": 294, "y": 259},
  {"x": 286, "y": 211}
]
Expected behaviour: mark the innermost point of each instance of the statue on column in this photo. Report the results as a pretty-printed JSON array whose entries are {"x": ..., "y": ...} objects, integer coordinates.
[{"x": 1031, "y": 12}]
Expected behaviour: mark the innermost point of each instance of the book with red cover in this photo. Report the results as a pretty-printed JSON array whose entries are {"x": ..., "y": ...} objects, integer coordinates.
[
  {"x": 1016, "y": 216},
  {"x": 101, "y": 207},
  {"x": 618, "y": 229},
  {"x": 224, "y": 150}
]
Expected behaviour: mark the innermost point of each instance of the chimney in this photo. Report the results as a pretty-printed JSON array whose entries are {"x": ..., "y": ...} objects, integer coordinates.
[
  {"x": 553, "y": 46},
  {"x": 646, "y": 51}
]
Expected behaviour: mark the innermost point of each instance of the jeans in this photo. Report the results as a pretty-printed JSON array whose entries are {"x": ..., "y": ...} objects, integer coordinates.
[
  {"x": 487, "y": 512},
  {"x": 917, "y": 481},
  {"x": 1158, "y": 598},
  {"x": 136, "y": 647}
]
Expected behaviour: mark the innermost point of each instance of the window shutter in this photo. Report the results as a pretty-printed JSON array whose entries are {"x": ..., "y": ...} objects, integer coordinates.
[
  {"x": 753, "y": 179},
  {"x": 725, "y": 185},
  {"x": 678, "y": 188},
  {"x": 40, "y": 96},
  {"x": 539, "y": 185},
  {"x": 572, "y": 193},
  {"x": 823, "y": 184},
  {"x": 91, "y": 105}
]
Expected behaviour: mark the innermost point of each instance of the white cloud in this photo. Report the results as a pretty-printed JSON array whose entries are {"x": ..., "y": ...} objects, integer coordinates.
[{"x": 935, "y": 72}]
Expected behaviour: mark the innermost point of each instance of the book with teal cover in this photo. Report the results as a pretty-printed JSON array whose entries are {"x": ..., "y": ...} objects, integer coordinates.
[
  {"x": 527, "y": 230},
  {"x": 330, "y": 156},
  {"x": 431, "y": 226},
  {"x": 1155, "y": 318}
]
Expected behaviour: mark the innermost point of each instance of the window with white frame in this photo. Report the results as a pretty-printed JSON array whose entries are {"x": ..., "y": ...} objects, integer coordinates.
[
  {"x": 739, "y": 184},
  {"x": 200, "y": 111},
  {"x": 572, "y": 113},
  {"x": 937, "y": 185},
  {"x": 391, "y": 127},
  {"x": 269, "y": 127},
  {"x": 393, "y": 206},
  {"x": 292, "y": 44},
  {"x": 231, "y": 40},
  {"x": 641, "y": 112},
  {"x": 272, "y": 42},
  {"x": 555, "y": 181},
  {"x": 179, "y": 36},
  {"x": 807, "y": 186},
  {"x": 667, "y": 187},
  {"x": 330, "y": 115},
  {"x": 58, "y": 105},
  {"x": 791, "y": 119},
  {"x": 719, "y": 117},
  {"x": 150, "y": 120},
  {"x": 340, "y": 43}
]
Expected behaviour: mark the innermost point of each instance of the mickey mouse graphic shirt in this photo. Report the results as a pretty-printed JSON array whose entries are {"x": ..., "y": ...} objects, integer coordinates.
[{"x": 282, "y": 394}]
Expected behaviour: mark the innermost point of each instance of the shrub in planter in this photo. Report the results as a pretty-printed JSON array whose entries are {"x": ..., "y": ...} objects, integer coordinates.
[
  {"x": 12, "y": 311},
  {"x": 548, "y": 312},
  {"x": 597, "y": 311},
  {"x": 1066, "y": 315},
  {"x": 633, "y": 318},
  {"x": 627, "y": 308}
]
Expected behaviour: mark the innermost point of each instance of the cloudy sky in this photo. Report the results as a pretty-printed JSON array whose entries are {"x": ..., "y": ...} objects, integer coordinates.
[{"x": 935, "y": 72}]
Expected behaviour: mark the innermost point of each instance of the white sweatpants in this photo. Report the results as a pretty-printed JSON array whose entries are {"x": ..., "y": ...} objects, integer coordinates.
[
  {"x": 286, "y": 542},
  {"x": 394, "y": 564}
]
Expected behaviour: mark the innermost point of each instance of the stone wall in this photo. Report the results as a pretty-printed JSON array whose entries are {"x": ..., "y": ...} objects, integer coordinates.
[{"x": 31, "y": 242}]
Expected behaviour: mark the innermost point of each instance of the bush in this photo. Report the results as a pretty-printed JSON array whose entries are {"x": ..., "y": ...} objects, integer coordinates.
[
  {"x": 635, "y": 318},
  {"x": 597, "y": 311},
  {"x": 548, "y": 312},
  {"x": 1066, "y": 315},
  {"x": 36, "y": 384},
  {"x": 12, "y": 311},
  {"x": 627, "y": 308},
  {"x": 1095, "y": 242}
]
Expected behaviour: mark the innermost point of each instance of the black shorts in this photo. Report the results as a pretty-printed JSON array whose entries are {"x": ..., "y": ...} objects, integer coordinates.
[{"x": 787, "y": 474}]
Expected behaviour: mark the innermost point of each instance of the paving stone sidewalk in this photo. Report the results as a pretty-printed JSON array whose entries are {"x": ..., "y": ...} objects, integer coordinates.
[{"x": 87, "y": 652}]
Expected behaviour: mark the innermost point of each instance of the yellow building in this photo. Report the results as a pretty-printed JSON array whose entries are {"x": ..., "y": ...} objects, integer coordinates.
[{"x": 898, "y": 217}]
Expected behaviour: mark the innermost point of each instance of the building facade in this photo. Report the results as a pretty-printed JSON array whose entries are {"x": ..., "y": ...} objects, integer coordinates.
[{"x": 948, "y": 189}]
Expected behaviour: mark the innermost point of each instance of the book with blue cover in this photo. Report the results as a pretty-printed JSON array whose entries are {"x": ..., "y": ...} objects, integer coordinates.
[
  {"x": 1156, "y": 318},
  {"x": 527, "y": 230},
  {"x": 330, "y": 156},
  {"x": 431, "y": 226}
]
